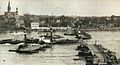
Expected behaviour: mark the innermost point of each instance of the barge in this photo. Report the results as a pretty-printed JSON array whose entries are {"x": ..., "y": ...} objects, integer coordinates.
[{"x": 11, "y": 41}]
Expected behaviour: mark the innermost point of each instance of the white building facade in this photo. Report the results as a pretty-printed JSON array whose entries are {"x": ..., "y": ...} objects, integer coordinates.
[{"x": 35, "y": 25}]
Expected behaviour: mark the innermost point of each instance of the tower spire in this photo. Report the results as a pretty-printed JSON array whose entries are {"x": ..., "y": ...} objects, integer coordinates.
[{"x": 9, "y": 8}]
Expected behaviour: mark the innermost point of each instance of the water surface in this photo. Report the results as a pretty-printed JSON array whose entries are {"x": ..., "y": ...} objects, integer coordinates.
[{"x": 58, "y": 54}]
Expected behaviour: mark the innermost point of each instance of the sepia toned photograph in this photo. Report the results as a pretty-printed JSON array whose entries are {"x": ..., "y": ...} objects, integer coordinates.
[{"x": 59, "y": 32}]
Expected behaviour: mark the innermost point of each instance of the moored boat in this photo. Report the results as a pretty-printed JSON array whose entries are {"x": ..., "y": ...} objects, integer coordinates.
[{"x": 29, "y": 48}]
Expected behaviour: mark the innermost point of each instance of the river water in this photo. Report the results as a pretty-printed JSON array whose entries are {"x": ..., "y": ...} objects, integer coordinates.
[{"x": 58, "y": 54}]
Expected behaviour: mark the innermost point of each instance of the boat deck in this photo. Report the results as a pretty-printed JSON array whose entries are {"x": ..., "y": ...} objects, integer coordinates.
[{"x": 95, "y": 51}]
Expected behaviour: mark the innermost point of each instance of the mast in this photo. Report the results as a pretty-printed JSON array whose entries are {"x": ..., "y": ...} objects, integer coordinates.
[
  {"x": 25, "y": 35},
  {"x": 51, "y": 31}
]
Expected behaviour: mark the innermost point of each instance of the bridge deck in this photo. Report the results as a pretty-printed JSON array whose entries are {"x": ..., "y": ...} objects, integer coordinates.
[{"x": 96, "y": 52}]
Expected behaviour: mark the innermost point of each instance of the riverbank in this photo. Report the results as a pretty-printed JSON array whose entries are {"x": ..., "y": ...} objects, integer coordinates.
[
  {"x": 107, "y": 29},
  {"x": 59, "y": 29}
]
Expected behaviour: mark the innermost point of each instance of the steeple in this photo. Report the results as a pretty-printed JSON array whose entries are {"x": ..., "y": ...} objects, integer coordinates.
[{"x": 9, "y": 8}]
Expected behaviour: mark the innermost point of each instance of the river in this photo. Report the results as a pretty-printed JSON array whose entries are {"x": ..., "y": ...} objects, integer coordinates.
[{"x": 58, "y": 54}]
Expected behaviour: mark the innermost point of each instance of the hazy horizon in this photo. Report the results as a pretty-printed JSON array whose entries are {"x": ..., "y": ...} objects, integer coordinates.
[{"x": 63, "y": 7}]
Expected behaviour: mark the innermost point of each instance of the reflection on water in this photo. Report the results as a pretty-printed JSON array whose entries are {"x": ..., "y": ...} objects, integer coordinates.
[{"x": 58, "y": 54}]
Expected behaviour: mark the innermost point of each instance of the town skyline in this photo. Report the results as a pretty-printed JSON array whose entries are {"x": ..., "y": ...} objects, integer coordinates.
[{"x": 63, "y": 7}]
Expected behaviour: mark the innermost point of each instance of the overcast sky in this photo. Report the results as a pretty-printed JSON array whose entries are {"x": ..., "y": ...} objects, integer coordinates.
[{"x": 66, "y": 7}]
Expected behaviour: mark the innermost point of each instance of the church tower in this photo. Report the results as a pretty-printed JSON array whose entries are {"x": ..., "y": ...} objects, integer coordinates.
[{"x": 9, "y": 7}]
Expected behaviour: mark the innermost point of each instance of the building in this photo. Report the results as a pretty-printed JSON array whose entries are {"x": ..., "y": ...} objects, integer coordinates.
[
  {"x": 35, "y": 25},
  {"x": 10, "y": 14},
  {"x": 19, "y": 20}
]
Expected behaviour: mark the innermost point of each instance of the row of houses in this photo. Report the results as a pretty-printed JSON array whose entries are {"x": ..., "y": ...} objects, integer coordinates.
[{"x": 36, "y": 25}]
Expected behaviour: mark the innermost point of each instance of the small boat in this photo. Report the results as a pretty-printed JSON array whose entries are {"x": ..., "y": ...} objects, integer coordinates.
[
  {"x": 11, "y": 41},
  {"x": 28, "y": 49},
  {"x": 5, "y": 41},
  {"x": 83, "y": 35},
  {"x": 66, "y": 41}
]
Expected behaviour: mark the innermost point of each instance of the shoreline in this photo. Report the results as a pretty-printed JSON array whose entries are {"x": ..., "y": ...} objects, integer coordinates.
[{"x": 62, "y": 30}]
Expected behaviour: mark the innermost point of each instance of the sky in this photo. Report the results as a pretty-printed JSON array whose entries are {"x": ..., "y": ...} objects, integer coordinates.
[{"x": 64, "y": 7}]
